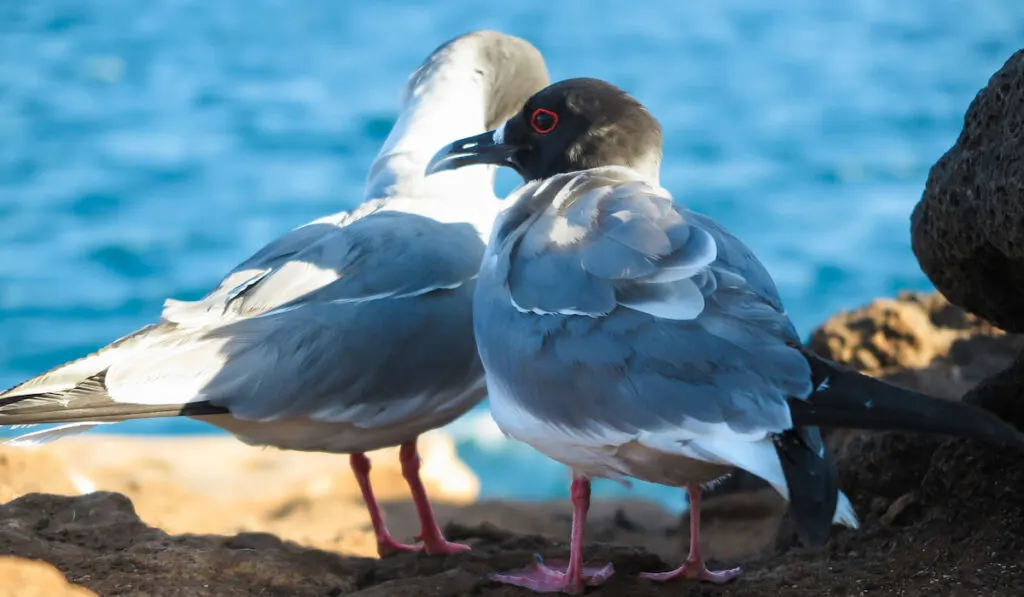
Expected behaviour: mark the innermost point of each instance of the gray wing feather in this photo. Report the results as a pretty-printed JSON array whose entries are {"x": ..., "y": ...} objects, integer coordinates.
[
  {"x": 368, "y": 363},
  {"x": 243, "y": 277},
  {"x": 374, "y": 257},
  {"x": 685, "y": 327},
  {"x": 365, "y": 317},
  {"x": 363, "y": 323}
]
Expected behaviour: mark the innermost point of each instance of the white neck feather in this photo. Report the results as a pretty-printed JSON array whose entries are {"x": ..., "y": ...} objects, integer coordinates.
[{"x": 444, "y": 105}]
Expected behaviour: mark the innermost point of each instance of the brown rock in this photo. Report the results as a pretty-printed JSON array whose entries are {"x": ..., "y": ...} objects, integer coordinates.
[
  {"x": 889, "y": 333},
  {"x": 968, "y": 229},
  {"x": 897, "y": 509},
  {"x": 1003, "y": 393},
  {"x": 969, "y": 545},
  {"x": 219, "y": 485},
  {"x": 961, "y": 533},
  {"x": 99, "y": 542},
  {"x": 920, "y": 341}
]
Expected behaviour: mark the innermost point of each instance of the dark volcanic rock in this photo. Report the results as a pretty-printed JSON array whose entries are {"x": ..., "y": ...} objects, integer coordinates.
[
  {"x": 1003, "y": 393},
  {"x": 968, "y": 229}
]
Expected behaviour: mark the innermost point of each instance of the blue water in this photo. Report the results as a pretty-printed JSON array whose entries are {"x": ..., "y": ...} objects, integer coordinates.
[{"x": 147, "y": 147}]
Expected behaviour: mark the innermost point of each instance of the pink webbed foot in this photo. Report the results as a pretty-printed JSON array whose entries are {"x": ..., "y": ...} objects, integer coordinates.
[
  {"x": 693, "y": 570},
  {"x": 432, "y": 547},
  {"x": 541, "y": 578},
  {"x": 388, "y": 545},
  {"x": 438, "y": 546}
]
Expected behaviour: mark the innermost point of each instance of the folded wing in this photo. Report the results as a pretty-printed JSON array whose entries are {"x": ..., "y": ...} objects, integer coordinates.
[
  {"x": 313, "y": 325},
  {"x": 682, "y": 312}
]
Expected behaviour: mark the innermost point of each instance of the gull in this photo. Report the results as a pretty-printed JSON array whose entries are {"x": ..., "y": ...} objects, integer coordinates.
[
  {"x": 346, "y": 335},
  {"x": 626, "y": 336}
]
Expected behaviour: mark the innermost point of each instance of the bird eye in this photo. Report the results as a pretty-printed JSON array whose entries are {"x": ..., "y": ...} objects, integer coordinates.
[{"x": 543, "y": 121}]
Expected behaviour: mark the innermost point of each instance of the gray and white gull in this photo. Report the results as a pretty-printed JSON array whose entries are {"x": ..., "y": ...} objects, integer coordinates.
[
  {"x": 348, "y": 334},
  {"x": 626, "y": 336}
]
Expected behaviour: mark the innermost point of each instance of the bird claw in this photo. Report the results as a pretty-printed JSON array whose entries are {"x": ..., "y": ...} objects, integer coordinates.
[
  {"x": 693, "y": 570},
  {"x": 387, "y": 546},
  {"x": 440, "y": 547},
  {"x": 541, "y": 578},
  {"x": 432, "y": 547}
]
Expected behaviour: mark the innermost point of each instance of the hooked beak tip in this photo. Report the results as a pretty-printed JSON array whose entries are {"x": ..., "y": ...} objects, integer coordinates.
[
  {"x": 479, "y": 149},
  {"x": 440, "y": 162}
]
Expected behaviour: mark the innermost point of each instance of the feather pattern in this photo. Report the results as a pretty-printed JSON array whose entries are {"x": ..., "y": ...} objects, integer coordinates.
[
  {"x": 283, "y": 337},
  {"x": 619, "y": 330},
  {"x": 350, "y": 333}
]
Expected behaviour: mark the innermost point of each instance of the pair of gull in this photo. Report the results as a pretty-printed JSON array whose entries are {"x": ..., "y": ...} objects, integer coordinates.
[{"x": 611, "y": 329}]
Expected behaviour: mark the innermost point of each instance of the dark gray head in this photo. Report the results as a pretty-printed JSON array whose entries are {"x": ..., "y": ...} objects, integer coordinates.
[
  {"x": 510, "y": 67},
  {"x": 569, "y": 126}
]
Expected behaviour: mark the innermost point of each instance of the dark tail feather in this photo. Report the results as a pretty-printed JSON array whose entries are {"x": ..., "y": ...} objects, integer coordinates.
[
  {"x": 813, "y": 483},
  {"x": 89, "y": 401},
  {"x": 107, "y": 413},
  {"x": 850, "y": 399}
]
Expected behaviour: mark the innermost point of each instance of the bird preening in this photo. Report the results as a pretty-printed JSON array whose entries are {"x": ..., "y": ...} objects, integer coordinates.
[
  {"x": 613, "y": 330},
  {"x": 349, "y": 334},
  {"x": 626, "y": 336}
]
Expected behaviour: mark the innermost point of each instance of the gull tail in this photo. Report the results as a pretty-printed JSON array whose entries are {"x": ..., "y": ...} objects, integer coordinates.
[
  {"x": 813, "y": 483},
  {"x": 849, "y": 399},
  {"x": 88, "y": 401},
  {"x": 797, "y": 466},
  {"x": 81, "y": 408},
  {"x": 75, "y": 396}
]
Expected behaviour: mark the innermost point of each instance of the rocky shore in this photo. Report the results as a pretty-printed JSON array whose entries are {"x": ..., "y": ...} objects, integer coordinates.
[{"x": 124, "y": 516}]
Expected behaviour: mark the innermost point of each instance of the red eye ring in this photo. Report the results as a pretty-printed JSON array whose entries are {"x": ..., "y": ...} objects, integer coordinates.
[{"x": 546, "y": 128}]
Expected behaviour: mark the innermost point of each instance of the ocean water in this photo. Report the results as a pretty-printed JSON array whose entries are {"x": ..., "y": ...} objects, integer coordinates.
[{"x": 148, "y": 147}]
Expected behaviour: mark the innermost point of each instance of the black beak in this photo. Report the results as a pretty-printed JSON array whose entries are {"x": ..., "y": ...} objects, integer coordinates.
[{"x": 479, "y": 149}]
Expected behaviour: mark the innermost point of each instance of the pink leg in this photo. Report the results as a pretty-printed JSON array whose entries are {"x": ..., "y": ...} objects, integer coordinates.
[
  {"x": 693, "y": 567},
  {"x": 540, "y": 578},
  {"x": 386, "y": 544},
  {"x": 430, "y": 534}
]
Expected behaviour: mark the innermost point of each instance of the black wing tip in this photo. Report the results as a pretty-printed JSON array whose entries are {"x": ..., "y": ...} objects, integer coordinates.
[
  {"x": 847, "y": 398},
  {"x": 111, "y": 412},
  {"x": 89, "y": 401},
  {"x": 813, "y": 483}
]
